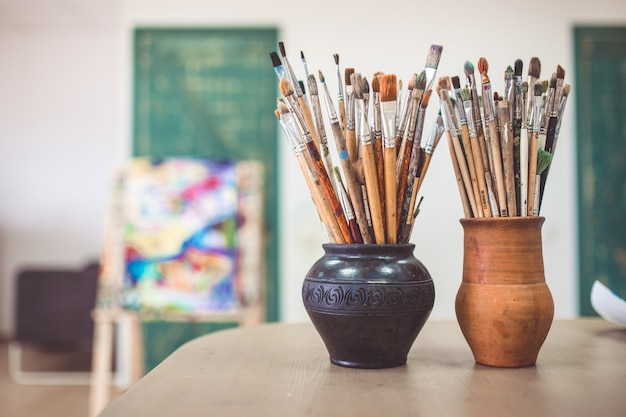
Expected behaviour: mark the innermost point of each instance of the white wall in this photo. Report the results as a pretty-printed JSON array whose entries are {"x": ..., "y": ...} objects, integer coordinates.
[{"x": 65, "y": 105}]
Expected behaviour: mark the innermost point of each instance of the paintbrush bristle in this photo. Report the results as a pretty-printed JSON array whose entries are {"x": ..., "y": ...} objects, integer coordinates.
[
  {"x": 465, "y": 93},
  {"x": 544, "y": 86},
  {"x": 275, "y": 59},
  {"x": 366, "y": 86},
  {"x": 456, "y": 82},
  {"x": 336, "y": 58},
  {"x": 277, "y": 114},
  {"x": 534, "y": 68},
  {"x": 560, "y": 72},
  {"x": 566, "y": 90},
  {"x": 375, "y": 85},
  {"x": 420, "y": 81},
  {"x": 356, "y": 81},
  {"x": 496, "y": 96},
  {"x": 281, "y": 47},
  {"x": 508, "y": 73},
  {"x": 282, "y": 106},
  {"x": 388, "y": 89},
  {"x": 285, "y": 87},
  {"x": 538, "y": 89},
  {"x": 312, "y": 85},
  {"x": 302, "y": 55},
  {"x": 518, "y": 67},
  {"x": 524, "y": 87},
  {"x": 301, "y": 84},
  {"x": 425, "y": 99},
  {"x": 469, "y": 68},
  {"x": 321, "y": 76},
  {"x": 553, "y": 80},
  {"x": 543, "y": 160},
  {"x": 434, "y": 56},
  {"x": 347, "y": 74},
  {"x": 411, "y": 83},
  {"x": 483, "y": 65}
]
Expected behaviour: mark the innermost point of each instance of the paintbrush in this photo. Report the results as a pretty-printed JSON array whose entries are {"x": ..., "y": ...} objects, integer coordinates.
[
  {"x": 466, "y": 96},
  {"x": 404, "y": 156},
  {"x": 534, "y": 71},
  {"x": 340, "y": 98},
  {"x": 304, "y": 64},
  {"x": 366, "y": 95},
  {"x": 316, "y": 160},
  {"x": 552, "y": 122},
  {"x": 459, "y": 165},
  {"x": 533, "y": 147},
  {"x": 398, "y": 108},
  {"x": 415, "y": 90},
  {"x": 468, "y": 68},
  {"x": 287, "y": 122},
  {"x": 494, "y": 141},
  {"x": 347, "y": 208},
  {"x": 279, "y": 68},
  {"x": 319, "y": 122},
  {"x": 516, "y": 126},
  {"x": 350, "y": 131},
  {"x": 523, "y": 152},
  {"x": 429, "y": 148},
  {"x": 548, "y": 102},
  {"x": 506, "y": 146},
  {"x": 403, "y": 174},
  {"x": 509, "y": 91},
  {"x": 403, "y": 113},
  {"x": 378, "y": 142},
  {"x": 299, "y": 94},
  {"x": 417, "y": 163},
  {"x": 368, "y": 159},
  {"x": 467, "y": 147},
  {"x": 349, "y": 172},
  {"x": 388, "y": 99},
  {"x": 432, "y": 63}
]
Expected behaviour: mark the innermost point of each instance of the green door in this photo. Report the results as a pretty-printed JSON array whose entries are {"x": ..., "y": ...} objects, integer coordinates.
[{"x": 601, "y": 126}]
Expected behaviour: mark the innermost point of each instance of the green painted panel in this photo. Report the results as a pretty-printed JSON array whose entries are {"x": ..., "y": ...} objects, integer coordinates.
[
  {"x": 211, "y": 92},
  {"x": 162, "y": 338},
  {"x": 600, "y": 87}
]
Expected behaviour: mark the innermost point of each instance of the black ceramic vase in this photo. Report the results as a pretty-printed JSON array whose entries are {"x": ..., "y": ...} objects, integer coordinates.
[{"x": 368, "y": 302}]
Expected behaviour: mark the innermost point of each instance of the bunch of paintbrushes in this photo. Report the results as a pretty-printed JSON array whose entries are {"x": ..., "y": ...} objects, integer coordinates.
[
  {"x": 501, "y": 146},
  {"x": 371, "y": 197}
]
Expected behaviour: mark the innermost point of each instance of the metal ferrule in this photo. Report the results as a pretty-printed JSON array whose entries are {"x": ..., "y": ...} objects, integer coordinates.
[
  {"x": 349, "y": 108},
  {"x": 522, "y": 101},
  {"x": 433, "y": 138},
  {"x": 363, "y": 129},
  {"x": 345, "y": 202},
  {"x": 459, "y": 108},
  {"x": 376, "y": 110},
  {"x": 291, "y": 131},
  {"x": 299, "y": 118},
  {"x": 535, "y": 117},
  {"x": 280, "y": 72},
  {"x": 488, "y": 104},
  {"x": 389, "y": 123},
  {"x": 467, "y": 108}
]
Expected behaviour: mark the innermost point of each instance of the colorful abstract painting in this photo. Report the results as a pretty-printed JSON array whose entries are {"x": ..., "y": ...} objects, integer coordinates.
[{"x": 179, "y": 233}]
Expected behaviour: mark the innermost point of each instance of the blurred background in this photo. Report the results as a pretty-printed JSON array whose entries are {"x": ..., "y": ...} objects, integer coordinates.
[{"x": 70, "y": 115}]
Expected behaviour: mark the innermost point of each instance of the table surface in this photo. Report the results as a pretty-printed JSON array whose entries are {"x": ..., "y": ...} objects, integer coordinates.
[{"x": 284, "y": 370}]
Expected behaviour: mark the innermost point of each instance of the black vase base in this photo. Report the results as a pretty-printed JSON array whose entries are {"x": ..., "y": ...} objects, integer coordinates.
[{"x": 380, "y": 364}]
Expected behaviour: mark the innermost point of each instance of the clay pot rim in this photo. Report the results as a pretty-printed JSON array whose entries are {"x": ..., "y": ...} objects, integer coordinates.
[{"x": 518, "y": 219}]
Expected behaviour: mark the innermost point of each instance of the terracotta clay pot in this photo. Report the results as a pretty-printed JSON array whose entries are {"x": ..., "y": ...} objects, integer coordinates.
[
  {"x": 368, "y": 302},
  {"x": 504, "y": 306}
]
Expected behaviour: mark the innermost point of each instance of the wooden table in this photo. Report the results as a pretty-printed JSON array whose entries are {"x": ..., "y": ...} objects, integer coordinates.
[{"x": 284, "y": 370}]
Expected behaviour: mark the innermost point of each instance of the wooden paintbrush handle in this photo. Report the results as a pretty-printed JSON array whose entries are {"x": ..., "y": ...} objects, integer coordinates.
[
  {"x": 373, "y": 195},
  {"x": 467, "y": 210},
  {"x": 329, "y": 191},
  {"x": 467, "y": 181},
  {"x": 497, "y": 164},
  {"x": 469, "y": 157},
  {"x": 391, "y": 223},
  {"x": 310, "y": 122},
  {"x": 532, "y": 172},
  {"x": 480, "y": 176},
  {"x": 354, "y": 188},
  {"x": 378, "y": 156},
  {"x": 402, "y": 170},
  {"x": 331, "y": 228},
  {"x": 351, "y": 144}
]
